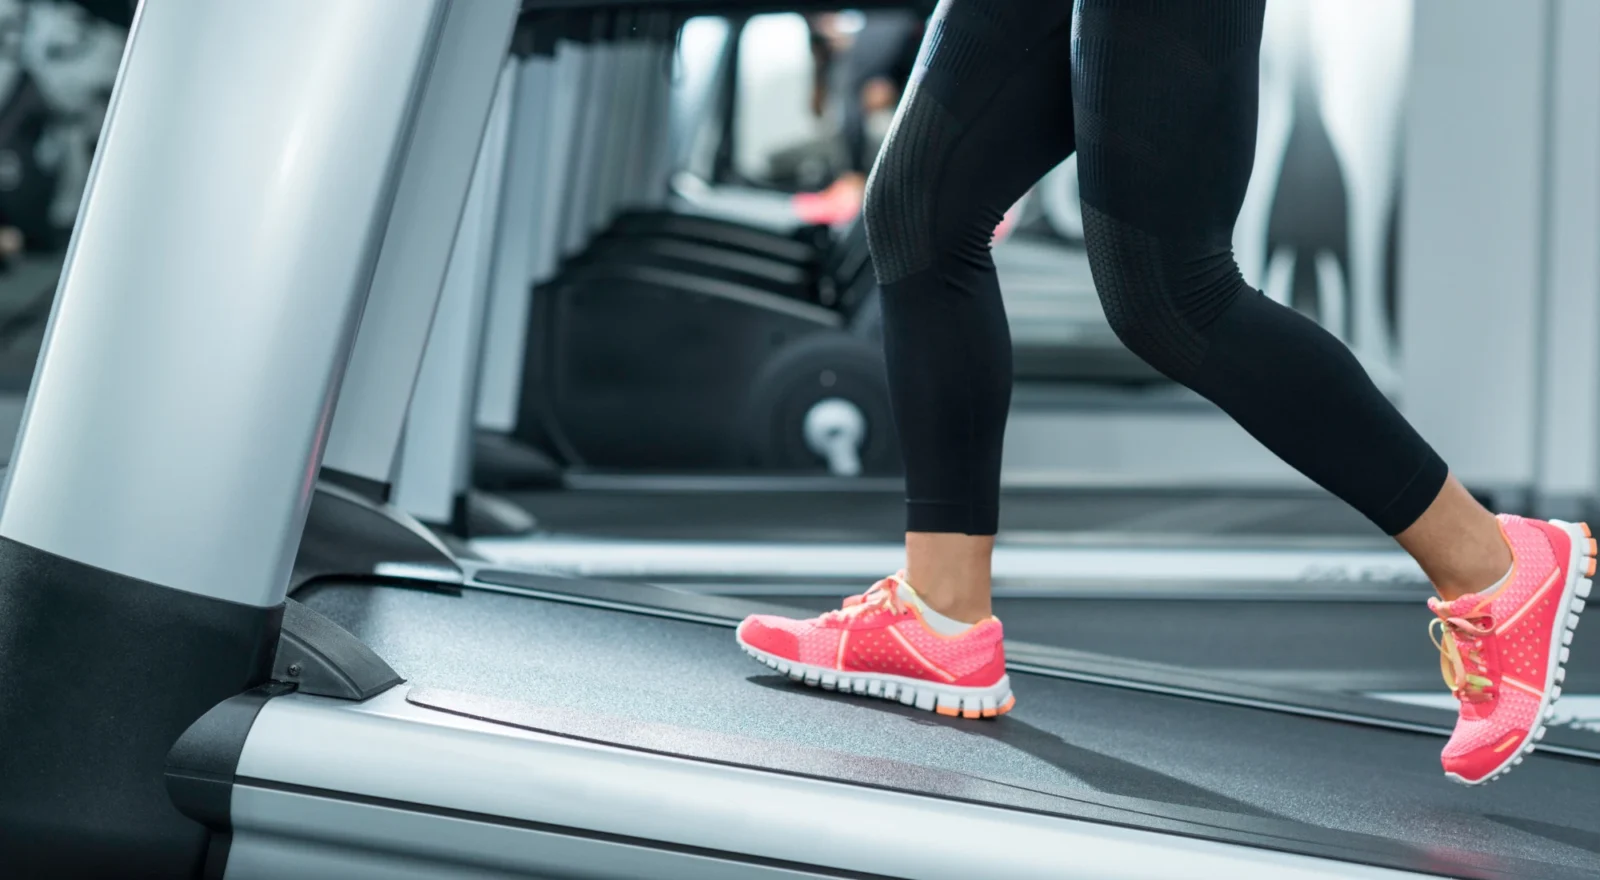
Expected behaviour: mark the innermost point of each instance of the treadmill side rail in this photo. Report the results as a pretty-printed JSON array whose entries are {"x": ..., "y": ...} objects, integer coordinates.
[
  {"x": 201, "y": 764},
  {"x": 391, "y": 782}
]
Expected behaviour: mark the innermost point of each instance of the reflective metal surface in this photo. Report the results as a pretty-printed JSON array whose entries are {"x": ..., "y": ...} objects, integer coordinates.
[
  {"x": 443, "y": 150},
  {"x": 213, "y": 286}
]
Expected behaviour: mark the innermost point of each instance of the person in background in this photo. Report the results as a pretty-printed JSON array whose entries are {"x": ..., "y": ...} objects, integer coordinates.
[{"x": 871, "y": 67}]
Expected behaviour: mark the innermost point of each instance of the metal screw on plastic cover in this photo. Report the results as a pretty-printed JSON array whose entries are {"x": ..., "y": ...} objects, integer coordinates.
[
  {"x": 294, "y": 670},
  {"x": 835, "y": 430}
]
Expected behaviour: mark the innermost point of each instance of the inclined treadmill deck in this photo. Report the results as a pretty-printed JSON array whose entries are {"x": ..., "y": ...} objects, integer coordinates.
[
  {"x": 875, "y": 511},
  {"x": 1353, "y": 635},
  {"x": 655, "y": 676}
]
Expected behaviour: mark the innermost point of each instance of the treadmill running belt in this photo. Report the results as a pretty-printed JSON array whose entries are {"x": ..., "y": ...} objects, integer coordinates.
[
  {"x": 1064, "y": 738},
  {"x": 868, "y": 515}
]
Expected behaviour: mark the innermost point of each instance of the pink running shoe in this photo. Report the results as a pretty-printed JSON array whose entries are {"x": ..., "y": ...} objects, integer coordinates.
[
  {"x": 1502, "y": 652},
  {"x": 879, "y": 645}
]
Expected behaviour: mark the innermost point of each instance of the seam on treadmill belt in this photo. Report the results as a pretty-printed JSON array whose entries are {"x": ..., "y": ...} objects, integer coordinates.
[
  {"x": 1216, "y": 697},
  {"x": 607, "y": 604}
]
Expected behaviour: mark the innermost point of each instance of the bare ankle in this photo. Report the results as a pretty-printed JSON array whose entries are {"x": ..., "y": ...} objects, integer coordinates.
[
  {"x": 951, "y": 572},
  {"x": 1458, "y": 544}
]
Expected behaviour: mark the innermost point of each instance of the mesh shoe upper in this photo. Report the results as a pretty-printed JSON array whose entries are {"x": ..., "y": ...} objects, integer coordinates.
[{"x": 1497, "y": 648}]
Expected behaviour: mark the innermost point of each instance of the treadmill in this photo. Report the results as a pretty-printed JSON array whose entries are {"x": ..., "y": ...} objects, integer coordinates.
[
  {"x": 1078, "y": 568},
  {"x": 167, "y": 712}
]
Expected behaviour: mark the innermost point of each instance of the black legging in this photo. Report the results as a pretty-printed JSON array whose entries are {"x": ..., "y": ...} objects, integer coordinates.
[{"x": 1159, "y": 99}]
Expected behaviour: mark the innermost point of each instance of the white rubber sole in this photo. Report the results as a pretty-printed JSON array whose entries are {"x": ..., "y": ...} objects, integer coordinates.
[
  {"x": 1574, "y": 597},
  {"x": 949, "y": 700}
]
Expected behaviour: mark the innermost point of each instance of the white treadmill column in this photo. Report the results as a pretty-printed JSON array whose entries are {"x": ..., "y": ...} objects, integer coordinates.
[
  {"x": 505, "y": 348},
  {"x": 1472, "y": 226},
  {"x": 660, "y": 165},
  {"x": 623, "y": 100},
  {"x": 165, "y": 464},
  {"x": 212, "y": 286},
  {"x": 594, "y": 71},
  {"x": 436, "y": 463},
  {"x": 1569, "y": 427},
  {"x": 500, "y": 386},
  {"x": 364, "y": 445},
  {"x": 644, "y": 188}
]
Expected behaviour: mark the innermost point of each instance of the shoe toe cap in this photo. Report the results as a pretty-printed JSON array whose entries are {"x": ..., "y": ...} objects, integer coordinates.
[
  {"x": 769, "y": 633},
  {"x": 1477, "y": 751}
]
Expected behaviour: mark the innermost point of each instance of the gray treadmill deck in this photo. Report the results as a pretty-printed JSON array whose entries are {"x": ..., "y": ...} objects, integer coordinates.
[
  {"x": 879, "y": 514},
  {"x": 1067, "y": 739}
]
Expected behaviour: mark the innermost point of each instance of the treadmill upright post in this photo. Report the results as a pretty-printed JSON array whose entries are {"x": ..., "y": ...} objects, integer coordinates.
[
  {"x": 364, "y": 446},
  {"x": 659, "y": 154},
  {"x": 436, "y": 463},
  {"x": 515, "y": 257},
  {"x": 165, "y": 462},
  {"x": 594, "y": 72},
  {"x": 509, "y": 405}
]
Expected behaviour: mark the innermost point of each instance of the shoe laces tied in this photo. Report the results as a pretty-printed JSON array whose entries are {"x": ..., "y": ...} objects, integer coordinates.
[
  {"x": 882, "y": 595},
  {"x": 1461, "y": 640}
]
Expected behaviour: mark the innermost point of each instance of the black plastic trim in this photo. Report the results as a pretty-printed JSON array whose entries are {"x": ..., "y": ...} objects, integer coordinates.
[
  {"x": 501, "y": 462},
  {"x": 348, "y": 534},
  {"x": 323, "y": 659},
  {"x": 201, "y": 767},
  {"x": 201, "y": 764},
  {"x": 100, "y": 674},
  {"x": 376, "y": 491},
  {"x": 540, "y": 31}
]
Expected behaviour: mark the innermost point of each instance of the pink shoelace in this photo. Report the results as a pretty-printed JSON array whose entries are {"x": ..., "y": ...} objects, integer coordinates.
[{"x": 883, "y": 594}]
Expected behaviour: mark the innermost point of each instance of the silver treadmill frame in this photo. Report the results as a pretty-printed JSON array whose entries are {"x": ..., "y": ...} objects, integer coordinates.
[{"x": 476, "y": 796}]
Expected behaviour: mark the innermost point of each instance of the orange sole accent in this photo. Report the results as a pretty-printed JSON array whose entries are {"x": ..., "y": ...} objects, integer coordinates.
[
  {"x": 1590, "y": 572},
  {"x": 971, "y": 713},
  {"x": 1586, "y": 532},
  {"x": 1010, "y": 702},
  {"x": 1592, "y": 548},
  {"x": 1508, "y": 742},
  {"x": 947, "y": 710}
]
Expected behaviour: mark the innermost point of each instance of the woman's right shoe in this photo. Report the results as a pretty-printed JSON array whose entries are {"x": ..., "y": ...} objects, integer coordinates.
[
  {"x": 1503, "y": 652},
  {"x": 879, "y": 645}
]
